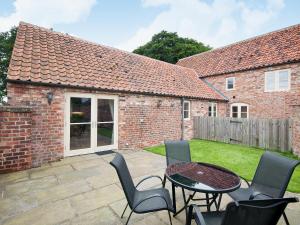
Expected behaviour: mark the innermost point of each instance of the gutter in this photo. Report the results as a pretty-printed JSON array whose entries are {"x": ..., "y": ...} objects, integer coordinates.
[
  {"x": 215, "y": 89},
  {"x": 104, "y": 90}
]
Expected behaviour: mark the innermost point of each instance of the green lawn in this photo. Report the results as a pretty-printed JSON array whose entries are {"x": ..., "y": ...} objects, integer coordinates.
[{"x": 241, "y": 159}]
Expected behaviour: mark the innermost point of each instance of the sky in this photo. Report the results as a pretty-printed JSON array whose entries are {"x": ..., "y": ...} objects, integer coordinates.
[{"x": 127, "y": 24}]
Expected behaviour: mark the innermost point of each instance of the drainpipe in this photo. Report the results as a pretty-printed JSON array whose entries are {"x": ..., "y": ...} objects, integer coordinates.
[{"x": 182, "y": 119}]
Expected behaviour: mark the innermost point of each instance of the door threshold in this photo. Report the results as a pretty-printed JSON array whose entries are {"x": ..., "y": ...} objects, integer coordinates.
[{"x": 105, "y": 152}]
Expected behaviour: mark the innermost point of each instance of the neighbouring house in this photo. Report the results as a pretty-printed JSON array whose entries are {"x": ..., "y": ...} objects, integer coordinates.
[
  {"x": 259, "y": 76},
  {"x": 68, "y": 97}
]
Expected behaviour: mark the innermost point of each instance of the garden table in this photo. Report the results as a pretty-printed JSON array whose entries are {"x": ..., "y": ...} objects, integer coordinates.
[{"x": 201, "y": 177}]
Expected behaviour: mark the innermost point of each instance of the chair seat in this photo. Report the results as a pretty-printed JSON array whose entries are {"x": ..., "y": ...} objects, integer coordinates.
[
  {"x": 152, "y": 204},
  {"x": 213, "y": 218},
  {"x": 245, "y": 193}
]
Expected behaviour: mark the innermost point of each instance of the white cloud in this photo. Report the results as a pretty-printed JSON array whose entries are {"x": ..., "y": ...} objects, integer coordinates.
[
  {"x": 46, "y": 12},
  {"x": 216, "y": 23}
]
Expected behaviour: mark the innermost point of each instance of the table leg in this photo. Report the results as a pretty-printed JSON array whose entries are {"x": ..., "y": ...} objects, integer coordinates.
[
  {"x": 174, "y": 197},
  {"x": 207, "y": 202},
  {"x": 219, "y": 202},
  {"x": 186, "y": 202}
]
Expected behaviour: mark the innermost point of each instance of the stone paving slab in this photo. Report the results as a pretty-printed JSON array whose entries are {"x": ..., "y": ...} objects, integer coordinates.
[{"x": 85, "y": 190}]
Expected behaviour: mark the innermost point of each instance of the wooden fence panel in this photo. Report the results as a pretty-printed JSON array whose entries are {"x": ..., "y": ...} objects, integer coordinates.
[{"x": 262, "y": 133}]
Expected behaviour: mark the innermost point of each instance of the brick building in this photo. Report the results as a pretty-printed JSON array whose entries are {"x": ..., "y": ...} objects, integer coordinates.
[
  {"x": 84, "y": 97},
  {"x": 68, "y": 96},
  {"x": 260, "y": 76}
]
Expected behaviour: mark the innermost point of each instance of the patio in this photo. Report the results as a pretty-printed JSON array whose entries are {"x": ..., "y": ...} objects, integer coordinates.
[{"x": 85, "y": 190}]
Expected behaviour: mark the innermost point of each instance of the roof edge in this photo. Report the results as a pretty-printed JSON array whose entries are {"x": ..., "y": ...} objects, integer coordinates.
[
  {"x": 109, "y": 90},
  {"x": 242, "y": 41}
]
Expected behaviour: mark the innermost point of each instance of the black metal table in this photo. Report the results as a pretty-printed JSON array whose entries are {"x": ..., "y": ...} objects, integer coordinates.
[{"x": 201, "y": 177}]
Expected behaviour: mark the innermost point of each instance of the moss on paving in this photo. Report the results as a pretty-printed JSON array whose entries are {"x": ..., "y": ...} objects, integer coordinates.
[{"x": 243, "y": 160}]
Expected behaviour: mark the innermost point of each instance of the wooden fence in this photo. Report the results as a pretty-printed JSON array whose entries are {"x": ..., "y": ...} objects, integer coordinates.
[{"x": 263, "y": 133}]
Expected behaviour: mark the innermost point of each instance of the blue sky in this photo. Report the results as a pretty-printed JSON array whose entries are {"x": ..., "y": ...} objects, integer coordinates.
[{"x": 128, "y": 24}]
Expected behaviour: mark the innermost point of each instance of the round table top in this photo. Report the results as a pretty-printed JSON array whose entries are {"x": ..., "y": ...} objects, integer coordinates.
[{"x": 203, "y": 177}]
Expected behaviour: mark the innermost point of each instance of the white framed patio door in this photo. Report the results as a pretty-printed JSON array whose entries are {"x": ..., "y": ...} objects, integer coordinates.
[{"x": 91, "y": 123}]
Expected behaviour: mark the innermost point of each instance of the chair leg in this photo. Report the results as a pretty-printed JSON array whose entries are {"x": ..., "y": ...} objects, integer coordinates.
[
  {"x": 124, "y": 210},
  {"x": 164, "y": 181},
  {"x": 170, "y": 217},
  {"x": 285, "y": 219},
  {"x": 129, "y": 217}
]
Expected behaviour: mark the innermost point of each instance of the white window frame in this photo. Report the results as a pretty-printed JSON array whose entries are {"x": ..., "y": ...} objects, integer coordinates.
[
  {"x": 93, "y": 148},
  {"x": 239, "y": 105},
  {"x": 276, "y": 72},
  {"x": 230, "y": 89},
  {"x": 189, "y": 110},
  {"x": 212, "y": 104}
]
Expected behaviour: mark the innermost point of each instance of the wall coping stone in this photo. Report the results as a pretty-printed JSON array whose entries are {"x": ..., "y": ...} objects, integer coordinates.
[{"x": 17, "y": 109}]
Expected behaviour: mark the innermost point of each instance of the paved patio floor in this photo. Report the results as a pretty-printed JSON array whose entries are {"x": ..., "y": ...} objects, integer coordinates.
[{"x": 84, "y": 190}]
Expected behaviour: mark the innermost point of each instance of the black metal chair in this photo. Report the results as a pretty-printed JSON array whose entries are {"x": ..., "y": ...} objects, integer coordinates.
[
  {"x": 141, "y": 201},
  {"x": 271, "y": 179},
  {"x": 176, "y": 152},
  {"x": 249, "y": 212}
]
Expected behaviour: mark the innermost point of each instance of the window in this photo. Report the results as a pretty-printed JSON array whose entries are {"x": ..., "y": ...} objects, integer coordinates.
[
  {"x": 278, "y": 80},
  {"x": 186, "y": 110},
  {"x": 212, "y": 110},
  {"x": 239, "y": 110},
  {"x": 230, "y": 83}
]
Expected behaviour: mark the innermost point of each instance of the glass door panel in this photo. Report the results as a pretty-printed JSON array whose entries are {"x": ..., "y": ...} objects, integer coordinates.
[
  {"x": 80, "y": 123},
  {"x": 105, "y": 122}
]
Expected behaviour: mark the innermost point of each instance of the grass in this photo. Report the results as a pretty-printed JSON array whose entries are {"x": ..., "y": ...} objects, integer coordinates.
[{"x": 240, "y": 159}]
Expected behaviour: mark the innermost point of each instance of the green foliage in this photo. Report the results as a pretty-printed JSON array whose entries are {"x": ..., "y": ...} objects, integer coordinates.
[
  {"x": 240, "y": 159},
  {"x": 7, "y": 40},
  {"x": 169, "y": 47}
]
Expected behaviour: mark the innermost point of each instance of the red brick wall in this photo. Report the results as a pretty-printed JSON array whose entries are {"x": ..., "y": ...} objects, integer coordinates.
[
  {"x": 296, "y": 130},
  {"x": 47, "y": 120},
  {"x": 249, "y": 89},
  {"x": 15, "y": 138},
  {"x": 143, "y": 120}
]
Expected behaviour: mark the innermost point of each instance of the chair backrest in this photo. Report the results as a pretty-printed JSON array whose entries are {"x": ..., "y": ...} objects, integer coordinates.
[
  {"x": 258, "y": 212},
  {"x": 177, "y": 151},
  {"x": 273, "y": 174},
  {"x": 129, "y": 189}
]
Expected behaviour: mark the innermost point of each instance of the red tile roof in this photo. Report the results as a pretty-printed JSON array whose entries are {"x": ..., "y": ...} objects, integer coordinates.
[
  {"x": 277, "y": 47},
  {"x": 43, "y": 56}
]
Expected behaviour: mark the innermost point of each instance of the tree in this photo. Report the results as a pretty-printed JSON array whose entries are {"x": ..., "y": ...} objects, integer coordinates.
[
  {"x": 7, "y": 40},
  {"x": 169, "y": 47}
]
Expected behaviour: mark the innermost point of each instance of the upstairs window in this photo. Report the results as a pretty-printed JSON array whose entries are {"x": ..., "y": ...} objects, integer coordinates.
[
  {"x": 230, "y": 83},
  {"x": 239, "y": 110},
  {"x": 212, "y": 110},
  {"x": 186, "y": 110},
  {"x": 278, "y": 80}
]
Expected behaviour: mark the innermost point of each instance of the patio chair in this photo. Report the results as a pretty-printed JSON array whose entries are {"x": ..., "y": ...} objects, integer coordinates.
[
  {"x": 179, "y": 151},
  {"x": 271, "y": 179},
  {"x": 141, "y": 201},
  {"x": 249, "y": 212}
]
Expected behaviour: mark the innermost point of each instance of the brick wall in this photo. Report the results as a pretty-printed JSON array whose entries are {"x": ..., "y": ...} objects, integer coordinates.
[
  {"x": 15, "y": 138},
  {"x": 249, "y": 89},
  {"x": 47, "y": 120},
  {"x": 143, "y": 120}
]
